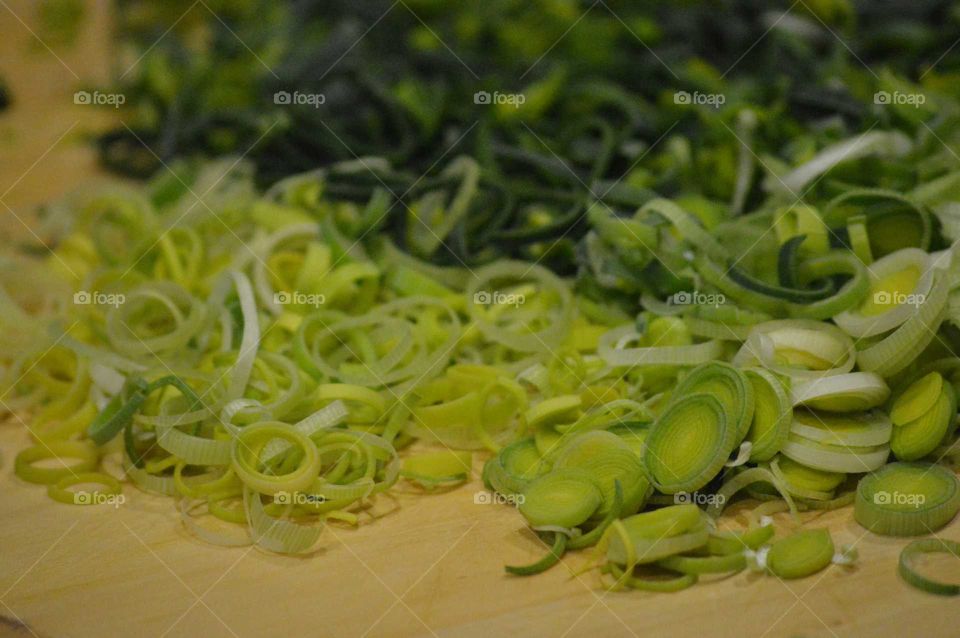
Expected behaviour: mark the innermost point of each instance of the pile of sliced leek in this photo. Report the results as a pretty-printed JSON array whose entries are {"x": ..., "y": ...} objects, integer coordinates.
[{"x": 247, "y": 360}]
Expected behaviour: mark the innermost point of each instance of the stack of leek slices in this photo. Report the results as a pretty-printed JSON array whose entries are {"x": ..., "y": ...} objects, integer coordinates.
[{"x": 271, "y": 376}]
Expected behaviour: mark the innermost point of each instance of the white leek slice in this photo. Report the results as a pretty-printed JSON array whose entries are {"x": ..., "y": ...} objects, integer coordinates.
[
  {"x": 851, "y": 392},
  {"x": 798, "y": 348},
  {"x": 898, "y": 284},
  {"x": 855, "y": 430},
  {"x": 832, "y": 458}
]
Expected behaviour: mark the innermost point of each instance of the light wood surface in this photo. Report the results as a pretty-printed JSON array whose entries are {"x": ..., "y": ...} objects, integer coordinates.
[{"x": 428, "y": 565}]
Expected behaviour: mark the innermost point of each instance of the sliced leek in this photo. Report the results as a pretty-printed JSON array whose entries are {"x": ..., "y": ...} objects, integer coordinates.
[
  {"x": 688, "y": 444},
  {"x": 921, "y": 426},
  {"x": 800, "y": 554},
  {"x": 907, "y": 499},
  {"x": 909, "y": 572}
]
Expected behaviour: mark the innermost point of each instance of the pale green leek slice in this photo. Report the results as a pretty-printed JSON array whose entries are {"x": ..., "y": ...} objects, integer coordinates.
[
  {"x": 727, "y": 384},
  {"x": 917, "y": 399},
  {"x": 430, "y": 469},
  {"x": 563, "y": 498},
  {"x": 772, "y": 415},
  {"x": 688, "y": 444},
  {"x": 907, "y": 499},
  {"x": 801, "y": 554},
  {"x": 609, "y": 460},
  {"x": 920, "y": 437}
]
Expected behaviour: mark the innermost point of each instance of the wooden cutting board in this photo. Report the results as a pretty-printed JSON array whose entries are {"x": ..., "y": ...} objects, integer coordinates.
[{"x": 427, "y": 565}]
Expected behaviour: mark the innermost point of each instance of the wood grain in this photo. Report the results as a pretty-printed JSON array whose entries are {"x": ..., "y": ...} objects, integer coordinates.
[{"x": 427, "y": 566}]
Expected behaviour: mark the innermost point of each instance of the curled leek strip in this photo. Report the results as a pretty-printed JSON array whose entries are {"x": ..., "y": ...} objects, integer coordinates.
[
  {"x": 843, "y": 430},
  {"x": 899, "y": 348},
  {"x": 921, "y": 425},
  {"x": 157, "y": 319},
  {"x": 688, "y": 444},
  {"x": 928, "y": 546},
  {"x": 401, "y": 340},
  {"x": 744, "y": 479},
  {"x": 85, "y": 453},
  {"x": 851, "y": 392},
  {"x": 798, "y": 348},
  {"x": 248, "y": 447},
  {"x": 907, "y": 499},
  {"x": 801, "y": 554},
  {"x": 277, "y": 534},
  {"x": 673, "y": 583},
  {"x": 612, "y": 348},
  {"x": 652, "y": 536},
  {"x": 552, "y": 558},
  {"x": 724, "y": 564},
  {"x": 498, "y": 304},
  {"x": 897, "y": 283},
  {"x": 725, "y": 543},
  {"x": 772, "y": 415},
  {"x": 804, "y": 482},
  {"x": 835, "y": 458},
  {"x": 614, "y": 512},
  {"x": 59, "y": 491}
]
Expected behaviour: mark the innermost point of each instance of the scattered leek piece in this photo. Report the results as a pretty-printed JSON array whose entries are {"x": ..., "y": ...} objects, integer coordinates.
[
  {"x": 907, "y": 499},
  {"x": 800, "y": 554},
  {"x": 437, "y": 468},
  {"x": 917, "y": 548}
]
